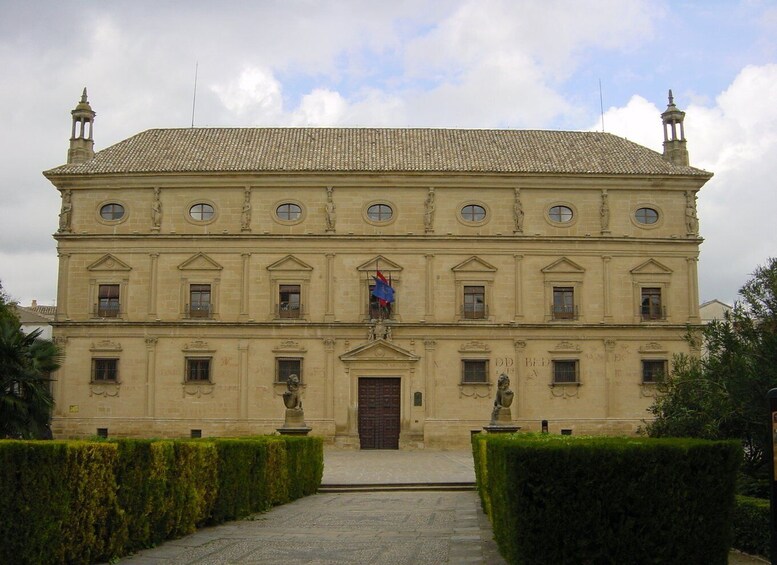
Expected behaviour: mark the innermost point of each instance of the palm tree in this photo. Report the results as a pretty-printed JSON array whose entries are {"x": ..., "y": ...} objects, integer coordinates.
[{"x": 25, "y": 395}]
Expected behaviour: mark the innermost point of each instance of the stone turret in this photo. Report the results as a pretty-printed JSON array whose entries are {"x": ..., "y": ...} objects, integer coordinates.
[
  {"x": 674, "y": 147},
  {"x": 81, "y": 142}
]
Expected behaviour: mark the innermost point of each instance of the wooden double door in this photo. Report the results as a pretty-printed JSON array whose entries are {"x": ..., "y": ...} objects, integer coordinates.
[{"x": 379, "y": 401}]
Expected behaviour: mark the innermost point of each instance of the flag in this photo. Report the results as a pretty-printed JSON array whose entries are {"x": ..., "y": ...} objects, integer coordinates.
[{"x": 383, "y": 290}]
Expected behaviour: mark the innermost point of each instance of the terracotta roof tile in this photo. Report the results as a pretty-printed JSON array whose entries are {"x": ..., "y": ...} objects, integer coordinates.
[{"x": 216, "y": 150}]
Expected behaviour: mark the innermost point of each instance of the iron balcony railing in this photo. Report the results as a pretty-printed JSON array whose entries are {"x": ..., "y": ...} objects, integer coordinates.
[
  {"x": 202, "y": 310},
  {"x": 652, "y": 314},
  {"x": 289, "y": 310},
  {"x": 474, "y": 312},
  {"x": 563, "y": 312},
  {"x": 107, "y": 309}
]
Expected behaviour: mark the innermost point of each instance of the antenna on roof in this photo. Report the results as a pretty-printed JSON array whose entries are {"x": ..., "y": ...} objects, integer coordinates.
[
  {"x": 194, "y": 97},
  {"x": 601, "y": 103}
]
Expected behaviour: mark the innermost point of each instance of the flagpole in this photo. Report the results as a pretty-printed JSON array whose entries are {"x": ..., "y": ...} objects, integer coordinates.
[{"x": 377, "y": 270}]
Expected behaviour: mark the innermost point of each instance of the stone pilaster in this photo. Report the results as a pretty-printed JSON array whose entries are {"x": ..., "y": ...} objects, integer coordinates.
[
  {"x": 430, "y": 376},
  {"x": 151, "y": 382}
]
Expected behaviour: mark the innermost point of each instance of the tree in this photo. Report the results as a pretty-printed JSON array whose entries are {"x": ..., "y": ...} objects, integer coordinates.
[
  {"x": 25, "y": 364},
  {"x": 723, "y": 394},
  {"x": 6, "y": 306}
]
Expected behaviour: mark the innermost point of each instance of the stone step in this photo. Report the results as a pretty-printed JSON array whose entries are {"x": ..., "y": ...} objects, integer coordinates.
[{"x": 330, "y": 488}]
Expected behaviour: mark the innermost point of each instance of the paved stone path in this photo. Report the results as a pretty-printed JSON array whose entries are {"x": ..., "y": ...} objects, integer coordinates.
[
  {"x": 351, "y": 528},
  {"x": 380, "y": 528}
]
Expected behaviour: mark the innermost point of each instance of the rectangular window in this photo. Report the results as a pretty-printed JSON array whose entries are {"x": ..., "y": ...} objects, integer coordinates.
[
  {"x": 563, "y": 303},
  {"x": 653, "y": 370},
  {"x": 287, "y": 366},
  {"x": 378, "y": 311},
  {"x": 565, "y": 372},
  {"x": 108, "y": 301},
  {"x": 474, "y": 302},
  {"x": 199, "y": 301},
  {"x": 474, "y": 371},
  {"x": 652, "y": 308},
  {"x": 197, "y": 369},
  {"x": 289, "y": 305},
  {"x": 105, "y": 370}
]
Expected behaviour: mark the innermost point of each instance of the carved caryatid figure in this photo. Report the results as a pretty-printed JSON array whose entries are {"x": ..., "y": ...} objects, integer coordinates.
[
  {"x": 156, "y": 210},
  {"x": 330, "y": 210},
  {"x": 502, "y": 402},
  {"x": 245, "y": 219},
  {"x": 429, "y": 211},
  {"x": 66, "y": 212},
  {"x": 604, "y": 212},
  {"x": 518, "y": 212},
  {"x": 691, "y": 220}
]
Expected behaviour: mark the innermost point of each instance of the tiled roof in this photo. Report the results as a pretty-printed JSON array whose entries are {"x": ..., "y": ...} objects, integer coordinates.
[
  {"x": 35, "y": 314},
  {"x": 204, "y": 150}
]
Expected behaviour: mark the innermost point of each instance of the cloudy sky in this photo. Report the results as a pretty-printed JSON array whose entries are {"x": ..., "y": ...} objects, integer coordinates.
[{"x": 448, "y": 63}]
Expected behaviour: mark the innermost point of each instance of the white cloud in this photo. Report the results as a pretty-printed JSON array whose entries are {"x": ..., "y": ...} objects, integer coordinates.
[
  {"x": 255, "y": 94},
  {"x": 638, "y": 121},
  {"x": 322, "y": 107}
]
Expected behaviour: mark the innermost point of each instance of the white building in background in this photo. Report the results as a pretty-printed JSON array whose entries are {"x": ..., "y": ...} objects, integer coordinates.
[
  {"x": 713, "y": 310},
  {"x": 35, "y": 317}
]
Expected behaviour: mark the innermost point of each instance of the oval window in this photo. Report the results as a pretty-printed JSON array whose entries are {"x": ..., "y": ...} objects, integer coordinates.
[
  {"x": 112, "y": 212},
  {"x": 288, "y": 212},
  {"x": 473, "y": 213},
  {"x": 380, "y": 212},
  {"x": 560, "y": 214},
  {"x": 646, "y": 216},
  {"x": 201, "y": 212}
]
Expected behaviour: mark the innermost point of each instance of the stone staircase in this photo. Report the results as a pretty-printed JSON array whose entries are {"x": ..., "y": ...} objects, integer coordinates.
[{"x": 397, "y": 487}]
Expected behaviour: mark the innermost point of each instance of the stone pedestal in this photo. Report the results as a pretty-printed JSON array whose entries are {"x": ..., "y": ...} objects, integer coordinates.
[
  {"x": 295, "y": 423},
  {"x": 501, "y": 422},
  {"x": 502, "y": 416}
]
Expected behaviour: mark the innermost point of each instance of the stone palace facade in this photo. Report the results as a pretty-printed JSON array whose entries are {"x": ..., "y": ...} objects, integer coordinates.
[{"x": 201, "y": 267}]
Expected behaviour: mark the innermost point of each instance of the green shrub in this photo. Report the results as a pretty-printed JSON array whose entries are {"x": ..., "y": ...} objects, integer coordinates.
[
  {"x": 305, "y": 459},
  {"x": 84, "y": 502},
  {"x": 34, "y": 500},
  {"x": 275, "y": 473},
  {"x": 751, "y": 526},
  {"x": 142, "y": 476},
  {"x": 237, "y": 470},
  {"x": 92, "y": 531},
  {"x": 481, "y": 471},
  {"x": 58, "y": 502},
  {"x": 565, "y": 500}
]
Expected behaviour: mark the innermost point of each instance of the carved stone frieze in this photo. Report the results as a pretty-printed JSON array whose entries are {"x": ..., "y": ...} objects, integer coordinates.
[
  {"x": 105, "y": 345},
  {"x": 104, "y": 389},
  {"x": 198, "y": 390},
  {"x": 478, "y": 346}
]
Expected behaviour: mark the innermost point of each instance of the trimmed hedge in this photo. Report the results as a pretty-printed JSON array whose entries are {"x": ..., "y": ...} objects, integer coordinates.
[
  {"x": 751, "y": 526},
  {"x": 86, "y": 502},
  {"x": 570, "y": 500}
]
